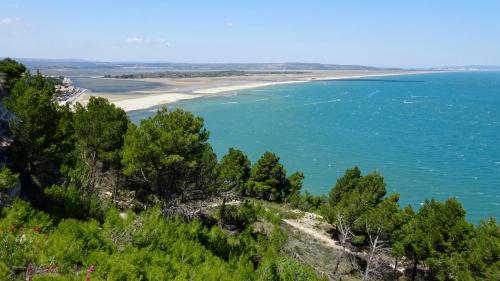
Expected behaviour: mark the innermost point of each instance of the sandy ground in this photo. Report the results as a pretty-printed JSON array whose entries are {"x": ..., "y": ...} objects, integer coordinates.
[
  {"x": 314, "y": 226},
  {"x": 177, "y": 89}
]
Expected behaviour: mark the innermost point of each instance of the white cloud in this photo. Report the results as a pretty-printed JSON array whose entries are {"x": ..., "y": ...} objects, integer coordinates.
[
  {"x": 229, "y": 24},
  {"x": 133, "y": 40},
  {"x": 161, "y": 41},
  {"x": 8, "y": 21},
  {"x": 152, "y": 41}
]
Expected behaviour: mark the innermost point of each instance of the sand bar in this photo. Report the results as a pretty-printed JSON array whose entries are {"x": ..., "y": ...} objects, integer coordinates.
[
  {"x": 152, "y": 100},
  {"x": 177, "y": 89}
]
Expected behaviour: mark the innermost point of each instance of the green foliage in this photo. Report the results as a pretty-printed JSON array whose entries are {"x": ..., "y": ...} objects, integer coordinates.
[
  {"x": 404, "y": 215},
  {"x": 39, "y": 145},
  {"x": 269, "y": 181},
  {"x": 70, "y": 202},
  {"x": 353, "y": 195},
  {"x": 65, "y": 134},
  {"x": 19, "y": 224},
  {"x": 12, "y": 71},
  {"x": 205, "y": 178},
  {"x": 22, "y": 215},
  {"x": 435, "y": 234},
  {"x": 5, "y": 273},
  {"x": 168, "y": 153},
  {"x": 307, "y": 202},
  {"x": 481, "y": 260},
  {"x": 8, "y": 179},
  {"x": 295, "y": 181},
  {"x": 100, "y": 128},
  {"x": 239, "y": 216},
  {"x": 144, "y": 247},
  {"x": 71, "y": 244},
  {"x": 234, "y": 169},
  {"x": 344, "y": 185},
  {"x": 385, "y": 218},
  {"x": 285, "y": 269}
]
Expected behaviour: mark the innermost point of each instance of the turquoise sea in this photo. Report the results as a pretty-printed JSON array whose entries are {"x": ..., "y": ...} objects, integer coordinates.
[{"x": 429, "y": 135}]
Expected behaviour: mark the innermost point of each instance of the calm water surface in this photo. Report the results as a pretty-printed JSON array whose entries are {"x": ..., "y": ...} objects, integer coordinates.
[{"x": 121, "y": 87}]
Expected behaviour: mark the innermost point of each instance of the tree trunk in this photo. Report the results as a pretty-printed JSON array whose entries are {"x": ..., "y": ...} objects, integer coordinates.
[
  {"x": 115, "y": 191},
  {"x": 337, "y": 265},
  {"x": 396, "y": 269},
  {"x": 414, "y": 272},
  {"x": 373, "y": 247}
]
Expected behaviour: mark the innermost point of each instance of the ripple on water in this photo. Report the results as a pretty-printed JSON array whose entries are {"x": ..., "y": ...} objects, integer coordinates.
[{"x": 439, "y": 141}]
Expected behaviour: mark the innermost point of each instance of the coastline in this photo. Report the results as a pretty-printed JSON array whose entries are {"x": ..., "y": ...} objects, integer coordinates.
[
  {"x": 219, "y": 90},
  {"x": 199, "y": 88}
]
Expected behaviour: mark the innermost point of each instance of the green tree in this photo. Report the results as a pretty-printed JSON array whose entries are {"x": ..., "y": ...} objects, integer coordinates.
[
  {"x": 269, "y": 181},
  {"x": 39, "y": 144},
  {"x": 8, "y": 180},
  {"x": 397, "y": 235},
  {"x": 386, "y": 217},
  {"x": 481, "y": 261},
  {"x": 296, "y": 181},
  {"x": 353, "y": 195},
  {"x": 168, "y": 153},
  {"x": 12, "y": 71},
  {"x": 379, "y": 224},
  {"x": 344, "y": 185},
  {"x": 100, "y": 129},
  {"x": 234, "y": 169},
  {"x": 434, "y": 235},
  {"x": 268, "y": 178},
  {"x": 306, "y": 201},
  {"x": 205, "y": 178}
]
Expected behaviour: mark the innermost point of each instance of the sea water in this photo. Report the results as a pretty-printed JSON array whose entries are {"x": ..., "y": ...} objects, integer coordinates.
[{"x": 429, "y": 135}]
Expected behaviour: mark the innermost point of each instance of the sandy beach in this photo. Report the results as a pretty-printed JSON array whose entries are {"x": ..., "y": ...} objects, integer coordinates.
[{"x": 176, "y": 89}]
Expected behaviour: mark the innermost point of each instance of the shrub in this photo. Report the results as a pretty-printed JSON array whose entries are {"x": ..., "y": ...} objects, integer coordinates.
[{"x": 239, "y": 216}]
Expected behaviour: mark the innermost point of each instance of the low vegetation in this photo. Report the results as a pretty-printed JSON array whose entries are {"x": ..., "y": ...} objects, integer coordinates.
[{"x": 198, "y": 74}]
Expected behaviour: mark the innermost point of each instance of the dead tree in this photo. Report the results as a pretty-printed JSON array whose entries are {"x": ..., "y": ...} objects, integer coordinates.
[
  {"x": 344, "y": 234},
  {"x": 378, "y": 248}
]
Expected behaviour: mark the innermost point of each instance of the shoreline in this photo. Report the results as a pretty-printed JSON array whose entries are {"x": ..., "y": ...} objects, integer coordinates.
[
  {"x": 219, "y": 90},
  {"x": 152, "y": 98}
]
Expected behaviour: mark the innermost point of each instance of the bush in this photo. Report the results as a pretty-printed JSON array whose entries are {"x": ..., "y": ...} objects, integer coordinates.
[
  {"x": 7, "y": 179},
  {"x": 69, "y": 202},
  {"x": 284, "y": 268},
  {"x": 307, "y": 202},
  {"x": 21, "y": 216},
  {"x": 4, "y": 271},
  {"x": 239, "y": 216},
  {"x": 143, "y": 247}
]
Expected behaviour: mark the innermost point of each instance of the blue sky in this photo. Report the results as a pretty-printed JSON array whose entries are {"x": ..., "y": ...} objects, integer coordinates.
[{"x": 381, "y": 33}]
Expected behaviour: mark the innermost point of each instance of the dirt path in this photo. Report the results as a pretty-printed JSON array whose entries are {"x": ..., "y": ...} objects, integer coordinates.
[
  {"x": 315, "y": 226},
  {"x": 309, "y": 224}
]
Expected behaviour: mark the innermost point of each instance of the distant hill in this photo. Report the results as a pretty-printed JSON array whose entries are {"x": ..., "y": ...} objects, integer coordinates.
[
  {"x": 52, "y": 64},
  {"x": 292, "y": 66},
  {"x": 470, "y": 68}
]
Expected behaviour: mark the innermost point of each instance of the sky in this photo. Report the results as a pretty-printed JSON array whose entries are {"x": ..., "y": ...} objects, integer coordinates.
[{"x": 420, "y": 33}]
